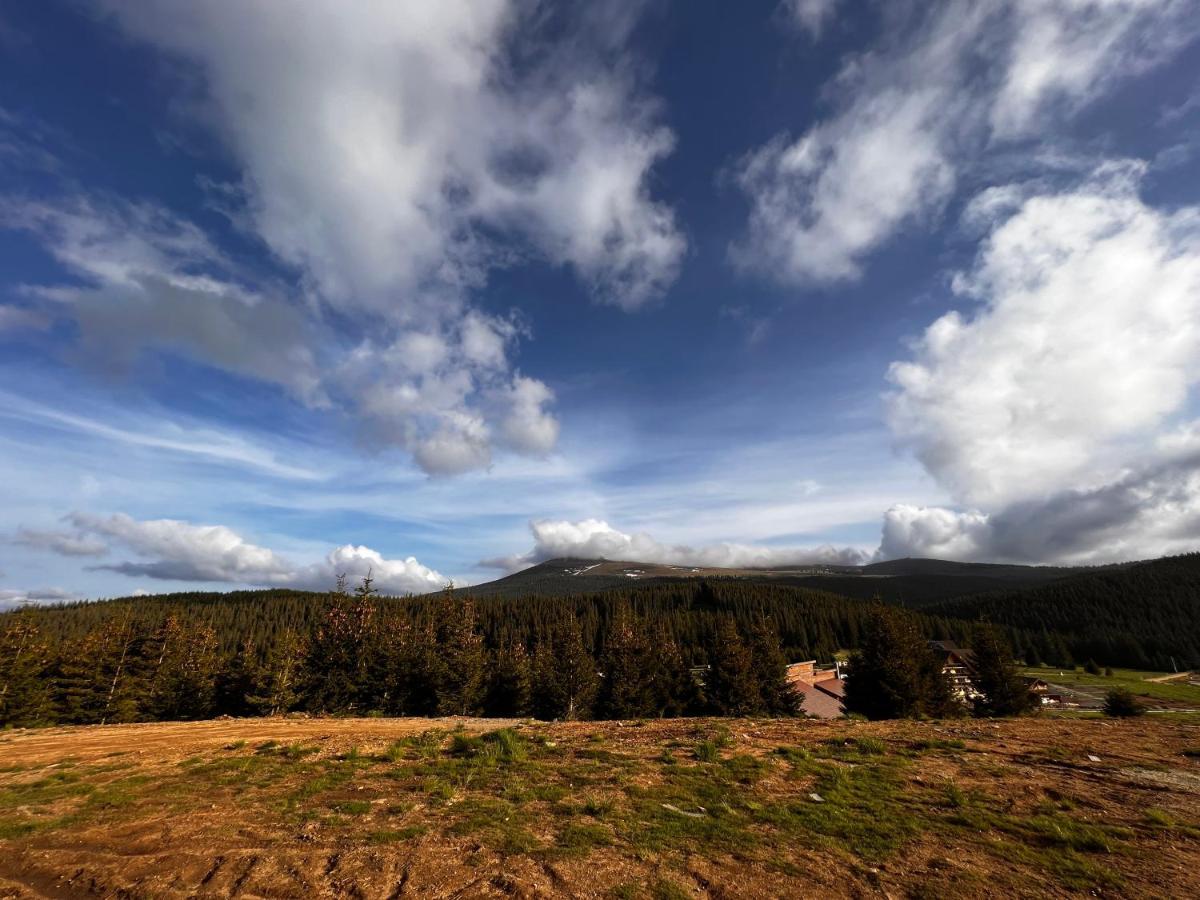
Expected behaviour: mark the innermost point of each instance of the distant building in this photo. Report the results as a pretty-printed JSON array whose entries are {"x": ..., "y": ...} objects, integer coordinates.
[
  {"x": 823, "y": 689},
  {"x": 958, "y": 666},
  {"x": 1042, "y": 692}
]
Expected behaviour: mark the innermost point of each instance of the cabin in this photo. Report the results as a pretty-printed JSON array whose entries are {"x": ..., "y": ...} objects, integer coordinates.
[{"x": 1042, "y": 692}]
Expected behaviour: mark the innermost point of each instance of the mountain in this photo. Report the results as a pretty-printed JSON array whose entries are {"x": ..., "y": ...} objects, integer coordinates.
[{"x": 912, "y": 582}]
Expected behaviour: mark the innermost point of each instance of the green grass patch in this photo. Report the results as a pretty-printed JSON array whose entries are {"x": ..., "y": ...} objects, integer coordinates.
[
  {"x": 582, "y": 838},
  {"x": 352, "y": 807}
]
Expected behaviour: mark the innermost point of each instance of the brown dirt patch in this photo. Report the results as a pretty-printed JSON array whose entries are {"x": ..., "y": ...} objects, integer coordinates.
[{"x": 664, "y": 809}]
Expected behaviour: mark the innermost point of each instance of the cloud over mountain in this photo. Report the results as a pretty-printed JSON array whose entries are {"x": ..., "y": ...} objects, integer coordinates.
[{"x": 594, "y": 538}]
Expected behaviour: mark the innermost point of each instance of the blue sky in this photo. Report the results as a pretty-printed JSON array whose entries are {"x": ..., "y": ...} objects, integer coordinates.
[{"x": 442, "y": 290}]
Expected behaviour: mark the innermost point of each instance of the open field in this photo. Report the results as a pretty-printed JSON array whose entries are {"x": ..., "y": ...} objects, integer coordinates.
[
  {"x": 1158, "y": 693},
  {"x": 664, "y": 809}
]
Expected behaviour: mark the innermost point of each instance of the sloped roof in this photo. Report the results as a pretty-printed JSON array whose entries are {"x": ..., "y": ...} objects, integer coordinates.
[{"x": 817, "y": 703}]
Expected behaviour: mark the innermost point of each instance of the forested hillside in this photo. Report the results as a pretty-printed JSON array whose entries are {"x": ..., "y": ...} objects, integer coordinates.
[
  {"x": 616, "y": 654},
  {"x": 621, "y": 652},
  {"x": 1145, "y": 615}
]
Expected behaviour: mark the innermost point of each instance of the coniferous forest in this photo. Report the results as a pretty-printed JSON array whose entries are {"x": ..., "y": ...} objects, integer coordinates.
[{"x": 687, "y": 647}]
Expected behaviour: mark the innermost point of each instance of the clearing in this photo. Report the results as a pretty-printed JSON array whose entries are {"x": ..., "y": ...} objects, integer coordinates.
[{"x": 661, "y": 809}]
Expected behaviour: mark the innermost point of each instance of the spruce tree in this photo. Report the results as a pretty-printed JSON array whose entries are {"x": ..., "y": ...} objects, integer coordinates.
[
  {"x": 770, "y": 667},
  {"x": 1005, "y": 692},
  {"x": 564, "y": 673},
  {"x": 24, "y": 664},
  {"x": 628, "y": 669},
  {"x": 731, "y": 684},
  {"x": 894, "y": 674},
  {"x": 274, "y": 685},
  {"x": 509, "y": 684},
  {"x": 460, "y": 682}
]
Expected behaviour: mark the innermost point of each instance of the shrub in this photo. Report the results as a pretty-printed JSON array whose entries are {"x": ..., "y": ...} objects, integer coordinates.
[{"x": 1120, "y": 703}]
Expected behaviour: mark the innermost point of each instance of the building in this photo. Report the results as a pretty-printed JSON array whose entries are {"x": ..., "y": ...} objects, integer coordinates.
[
  {"x": 958, "y": 666},
  {"x": 1042, "y": 692},
  {"x": 823, "y": 689}
]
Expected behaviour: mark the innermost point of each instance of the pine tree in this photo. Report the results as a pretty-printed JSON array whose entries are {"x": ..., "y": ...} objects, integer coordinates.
[
  {"x": 770, "y": 667},
  {"x": 732, "y": 685},
  {"x": 336, "y": 658},
  {"x": 273, "y": 687},
  {"x": 894, "y": 674},
  {"x": 460, "y": 682},
  {"x": 1005, "y": 692},
  {"x": 564, "y": 673},
  {"x": 627, "y": 669},
  {"x": 24, "y": 661},
  {"x": 509, "y": 685}
]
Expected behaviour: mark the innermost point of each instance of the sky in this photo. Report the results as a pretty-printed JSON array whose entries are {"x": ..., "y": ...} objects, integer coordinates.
[{"x": 442, "y": 290}]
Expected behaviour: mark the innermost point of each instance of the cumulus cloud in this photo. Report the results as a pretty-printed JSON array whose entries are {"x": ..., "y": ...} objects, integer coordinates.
[
  {"x": 594, "y": 539},
  {"x": 376, "y": 137},
  {"x": 1152, "y": 510},
  {"x": 1087, "y": 338},
  {"x": 391, "y": 156},
  {"x": 962, "y": 77},
  {"x": 1049, "y": 410},
  {"x": 173, "y": 550}
]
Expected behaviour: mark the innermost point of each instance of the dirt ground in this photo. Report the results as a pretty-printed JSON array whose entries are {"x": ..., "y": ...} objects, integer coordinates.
[{"x": 446, "y": 808}]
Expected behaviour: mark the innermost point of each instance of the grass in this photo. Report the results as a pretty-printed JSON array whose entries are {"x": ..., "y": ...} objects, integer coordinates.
[
  {"x": 1133, "y": 679},
  {"x": 513, "y": 791}
]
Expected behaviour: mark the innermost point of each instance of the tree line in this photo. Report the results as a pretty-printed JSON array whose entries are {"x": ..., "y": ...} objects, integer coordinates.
[{"x": 368, "y": 655}]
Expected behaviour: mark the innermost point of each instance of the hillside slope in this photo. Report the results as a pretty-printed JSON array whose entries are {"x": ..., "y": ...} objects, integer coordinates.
[{"x": 1145, "y": 614}]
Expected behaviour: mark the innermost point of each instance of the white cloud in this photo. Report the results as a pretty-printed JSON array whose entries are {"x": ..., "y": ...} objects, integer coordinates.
[
  {"x": 913, "y": 115},
  {"x": 64, "y": 543},
  {"x": 391, "y": 156},
  {"x": 1086, "y": 340},
  {"x": 1050, "y": 409},
  {"x": 173, "y": 550},
  {"x": 376, "y": 137},
  {"x": 172, "y": 436},
  {"x": 1152, "y": 510},
  {"x": 594, "y": 538},
  {"x": 11, "y": 598},
  {"x": 1066, "y": 53},
  {"x": 934, "y": 532}
]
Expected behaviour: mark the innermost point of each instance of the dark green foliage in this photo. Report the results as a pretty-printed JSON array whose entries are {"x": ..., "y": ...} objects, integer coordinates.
[
  {"x": 1143, "y": 616},
  {"x": 1005, "y": 692},
  {"x": 770, "y": 667},
  {"x": 1091, "y": 667},
  {"x": 510, "y": 683},
  {"x": 678, "y": 647},
  {"x": 24, "y": 665},
  {"x": 1120, "y": 703},
  {"x": 895, "y": 674},
  {"x": 564, "y": 674},
  {"x": 731, "y": 684},
  {"x": 629, "y": 687}
]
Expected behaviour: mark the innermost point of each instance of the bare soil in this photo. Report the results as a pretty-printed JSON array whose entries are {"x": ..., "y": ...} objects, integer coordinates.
[{"x": 445, "y": 808}]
